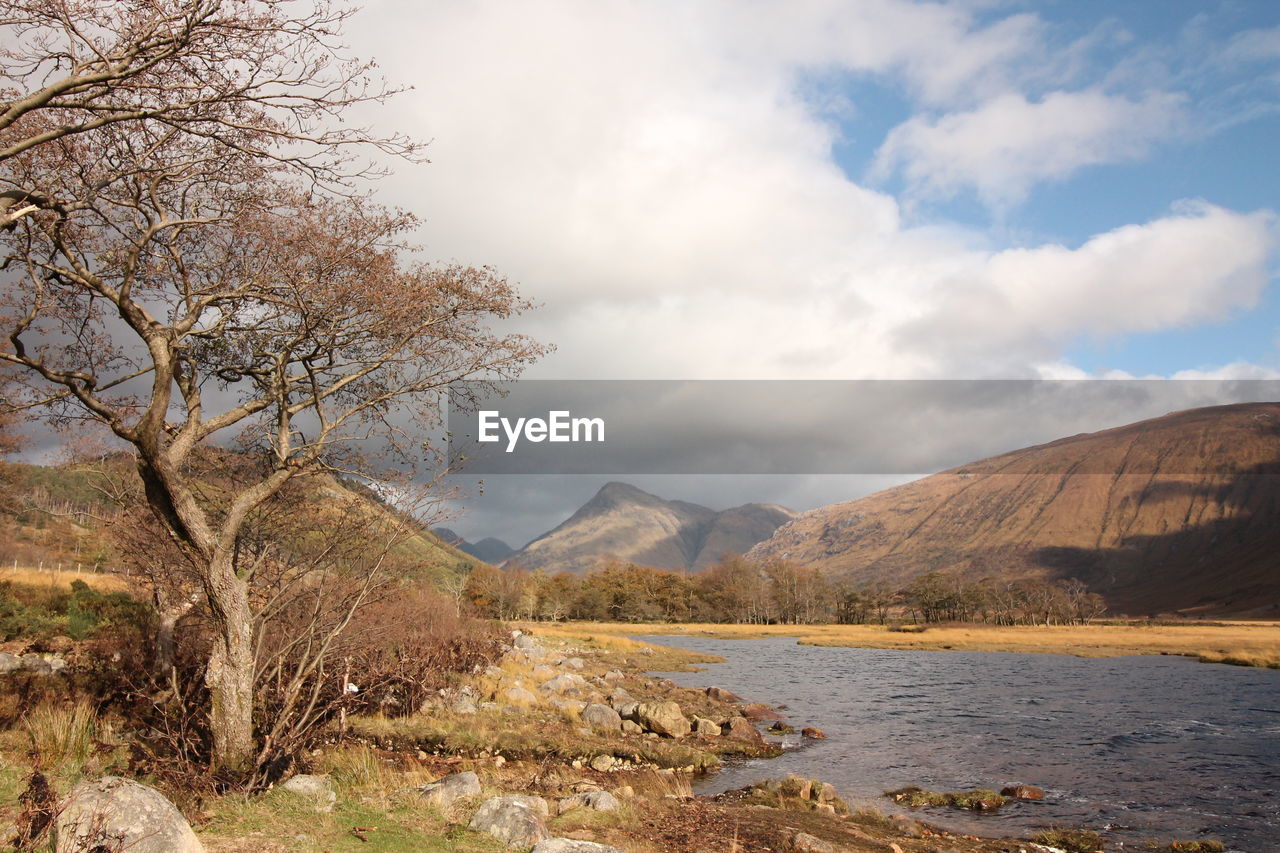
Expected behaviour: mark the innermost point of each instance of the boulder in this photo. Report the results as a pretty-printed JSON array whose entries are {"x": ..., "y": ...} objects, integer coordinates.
[
  {"x": 760, "y": 711},
  {"x": 721, "y": 695},
  {"x": 620, "y": 697},
  {"x": 443, "y": 793},
  {"x": 905, "y": 826},
  {"x": 113, "y": 813},
  {"x": 571, "y": 845},
  {"x": 664, "y": 718},
  {"x": 463, "y": 706},
  {"x": 631, "y": 727},
  {"x": 601, "y": 717},
  {"x": 524, "y": 642},
  {"x": 515, "y": 820},
  {"x": 601, "y": 801},
  {"x": 563, "y": 683},
  {"x": 519, "y": 696},
  {"x": 740, "y": 728},
  {"x": 703, "y": 726},
  {"x": 813, "y": 732},
  {"x": 572, "y": 707},
  {"x": 603, "y": 763},
  {"x": 572, "y": 663},
  {"x": 803, "y": 842},
  {"x": 614, "y": 675},
  {"x": 1023, "y": 792},
  {"x": 627, "y": 710},
  {"x": 318, "y": 788},
  {"x": 37, "y": 664},
  {"x": 9, "y": 663}
]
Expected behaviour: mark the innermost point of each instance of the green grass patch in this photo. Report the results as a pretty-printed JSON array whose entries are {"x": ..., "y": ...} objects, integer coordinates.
[
  {"x": 284, "y": 821},
  {"x": 978, "y": 799}
]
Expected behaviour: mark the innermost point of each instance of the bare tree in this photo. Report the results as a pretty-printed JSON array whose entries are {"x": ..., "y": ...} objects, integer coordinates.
[
  {"x": 266, "y": 78},
  {"x": 168, "y": 275}
]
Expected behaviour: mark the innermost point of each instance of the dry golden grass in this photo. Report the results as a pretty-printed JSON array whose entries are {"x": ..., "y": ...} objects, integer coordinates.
[
  {"x": 63, "y": 579},
  {"x": 1245, "y": 643},
  {"x": 62, "y": 735}
]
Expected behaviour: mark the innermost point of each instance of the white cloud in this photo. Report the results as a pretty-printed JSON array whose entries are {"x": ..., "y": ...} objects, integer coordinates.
[
  {"x": 1009, "y": 143},
  {"x": 651, "y": 174}
]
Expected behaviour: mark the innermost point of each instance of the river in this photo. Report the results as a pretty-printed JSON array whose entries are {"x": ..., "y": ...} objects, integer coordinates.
[{"x": 1136, "y": 747}]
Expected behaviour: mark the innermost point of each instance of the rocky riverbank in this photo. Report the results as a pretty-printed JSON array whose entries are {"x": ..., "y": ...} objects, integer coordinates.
[
  {"x": 569, "y": 745},
  {"x": 565, "y": 745}
]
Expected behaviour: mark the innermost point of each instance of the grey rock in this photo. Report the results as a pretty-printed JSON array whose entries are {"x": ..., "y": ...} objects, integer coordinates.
[
  {"x": 572, "y": 845},
  {"x": 113, "y": 813},
  {"x": 463, "y": 706},
  {"x": 573, "y": 707},
  {"x": 563, "y": 683},
  {"x": 443, "y": 793},
  {"x": 631, "y": 727},
  {"x": 614, "y": 675},
  {"x": 37, "y": 664},
  {"x": 601, "y": 801},
  {"x": 514, "y": 819},
  {"x": 603, "y": 763},
  {"x": 620, "y": 697},
  {"x": 525, "y": 642},
  {"x": 519, "y": 696},
  {"x": 665, "y": 718},
  {"x": 318, "y": 788},
  {"x": 603, "y": 717},
  {"x": 703, "y": 726},
  {"x": 9, "y": 663},
  {"x": 572, "y": 663},
  {"x": 627, "y": 710}
]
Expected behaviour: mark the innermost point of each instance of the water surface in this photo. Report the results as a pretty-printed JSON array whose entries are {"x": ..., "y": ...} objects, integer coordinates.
[{"x": 1138, "y": 747}]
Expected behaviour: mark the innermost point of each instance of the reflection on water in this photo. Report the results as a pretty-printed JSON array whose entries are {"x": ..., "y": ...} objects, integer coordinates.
[{"x": 1141, "y": 747}]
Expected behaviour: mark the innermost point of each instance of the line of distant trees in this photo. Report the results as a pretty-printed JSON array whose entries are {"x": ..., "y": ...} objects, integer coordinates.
[{"x": 741, "y": 591}]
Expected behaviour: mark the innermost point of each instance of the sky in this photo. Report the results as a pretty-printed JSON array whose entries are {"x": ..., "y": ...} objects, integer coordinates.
[{"x": 846, "y": 190}]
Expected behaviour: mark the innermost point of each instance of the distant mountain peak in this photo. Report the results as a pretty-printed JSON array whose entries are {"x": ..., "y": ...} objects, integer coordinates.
[{"x": 627, "y": 523}]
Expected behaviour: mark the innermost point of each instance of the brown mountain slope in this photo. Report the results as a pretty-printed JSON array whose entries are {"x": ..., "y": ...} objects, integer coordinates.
[
  {"x": 1177, "y": 512},
  {"x": 625, "y": 523}
]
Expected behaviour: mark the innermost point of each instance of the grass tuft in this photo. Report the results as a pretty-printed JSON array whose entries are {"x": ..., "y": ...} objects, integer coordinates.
[{"x": 62, "y": 735}]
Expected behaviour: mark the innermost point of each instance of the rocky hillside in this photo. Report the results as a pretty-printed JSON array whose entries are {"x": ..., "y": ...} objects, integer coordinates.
[
  {"x": 58, "y": 516},
  {"x": 624, "y": 523},
  {"x": 1175, "y": 513}
]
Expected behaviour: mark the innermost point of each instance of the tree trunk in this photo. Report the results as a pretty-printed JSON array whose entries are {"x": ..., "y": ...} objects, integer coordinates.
[{"x": 231, "y": 670}]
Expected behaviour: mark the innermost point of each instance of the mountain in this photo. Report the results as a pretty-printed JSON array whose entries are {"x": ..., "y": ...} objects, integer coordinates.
[
  {"x": 489, "y": 549},
  {"x": 622, "y": 522},
  {"x": 1175, "y": 513}
]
